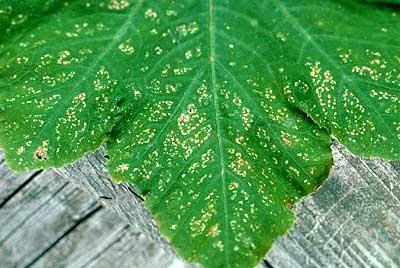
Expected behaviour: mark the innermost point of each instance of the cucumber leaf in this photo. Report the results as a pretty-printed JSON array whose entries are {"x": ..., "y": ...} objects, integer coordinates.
[
  {"x": 63, "y": 78},
  {"x": 350, "y": 83},
  {"x": 219, "y": 111}
]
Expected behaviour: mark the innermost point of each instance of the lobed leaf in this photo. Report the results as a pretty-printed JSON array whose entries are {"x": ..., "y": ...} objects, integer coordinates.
[
  {"x": 350, "y": 83},
  {"x": 220, "y": 111}
]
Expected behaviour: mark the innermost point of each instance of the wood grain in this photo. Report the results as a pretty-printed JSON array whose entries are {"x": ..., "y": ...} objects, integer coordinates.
[
  {"x": 11, "y": 183},
  {"x": 352, "y": 221},
  {"x": 105, "y": 241},
  {"x": 53, "y": 203},
  {"x": 47, "y": 222}
]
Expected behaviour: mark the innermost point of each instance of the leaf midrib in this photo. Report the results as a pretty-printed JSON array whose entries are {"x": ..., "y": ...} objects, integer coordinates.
[{"x": 217, "y": 112}]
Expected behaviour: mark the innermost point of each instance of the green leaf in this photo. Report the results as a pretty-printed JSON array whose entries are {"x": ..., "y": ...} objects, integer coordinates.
[
  {"x": 208, "y": 106},
  {"x": 64, "y": 79},
  {"x": 384, "y": 1},
  {"x": 350, "y": 83}
]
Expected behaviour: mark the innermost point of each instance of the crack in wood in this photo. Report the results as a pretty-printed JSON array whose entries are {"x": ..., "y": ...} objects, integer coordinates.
[
  {"x": 22, "y": 186},
  {"x": 65, "y": 234}
]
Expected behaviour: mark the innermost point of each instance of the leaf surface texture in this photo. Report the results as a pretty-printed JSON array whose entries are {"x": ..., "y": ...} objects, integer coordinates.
[{"x": 221, "y": 112}]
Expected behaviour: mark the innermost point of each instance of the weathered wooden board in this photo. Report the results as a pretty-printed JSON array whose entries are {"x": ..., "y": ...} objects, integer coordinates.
[
  {"x": 47, "y": 222},
  {"x": 11, "y": 183},
  {"x": 352, "y": 221},
  {"x": 105, "y": 241},
  {"x": 91, "y": 175},
  {"x": 46, "y": 201}
]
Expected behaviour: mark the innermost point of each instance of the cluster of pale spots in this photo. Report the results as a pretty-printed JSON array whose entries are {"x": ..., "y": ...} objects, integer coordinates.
[
  {"x": 215, "y": 149},
  {"x": 351, "y": 80},
  {"x": 61, "y": 81},
  {"x": 204, "y": 105}
]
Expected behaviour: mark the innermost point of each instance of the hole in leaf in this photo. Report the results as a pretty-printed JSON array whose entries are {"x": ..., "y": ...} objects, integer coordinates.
[
  {"x": 41, "y": 152},
  {"x": 41, "y": 155}
]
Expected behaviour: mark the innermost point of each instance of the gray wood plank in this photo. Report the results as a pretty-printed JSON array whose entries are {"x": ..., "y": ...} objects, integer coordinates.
[
  {"x": 50, "y": 223},
  {"x": 133, "y": 250},
  {"x": 105, "y": 241},
  {"x": 10, "y": 182},
  {"x": 125, "y": 200},
  {"x": 46, "y": 201},
  {"x": 352, "y": 221}
]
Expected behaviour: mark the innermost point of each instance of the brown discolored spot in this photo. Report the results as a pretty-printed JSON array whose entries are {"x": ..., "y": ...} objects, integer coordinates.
[
  {"x": 214, "y": 231},
  {"x": 286, "y": 139},
  {"x": 157, "y": 223},
  {"x": 41, "y": 152}
]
